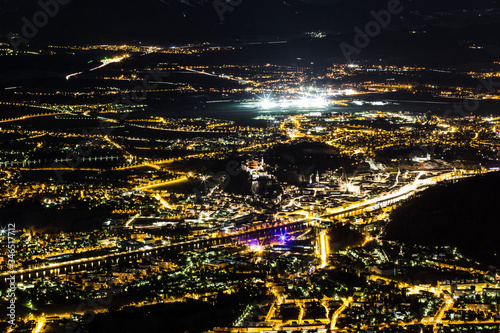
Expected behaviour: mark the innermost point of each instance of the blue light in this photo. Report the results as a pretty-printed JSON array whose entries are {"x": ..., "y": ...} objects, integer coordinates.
[{"x": 283, "y": 238}]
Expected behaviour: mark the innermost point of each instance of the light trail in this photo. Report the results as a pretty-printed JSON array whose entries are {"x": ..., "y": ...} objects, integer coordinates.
[
  {"x": 71, "y": 75},
  {"x": 104, "y": 63}
]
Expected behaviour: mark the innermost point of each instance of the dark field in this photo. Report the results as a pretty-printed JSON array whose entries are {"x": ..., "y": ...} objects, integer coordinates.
[{"x": 464, "y": 215}]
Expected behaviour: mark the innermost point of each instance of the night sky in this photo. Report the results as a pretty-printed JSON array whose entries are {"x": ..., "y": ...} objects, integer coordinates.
[{"x": 181, "y": 21}]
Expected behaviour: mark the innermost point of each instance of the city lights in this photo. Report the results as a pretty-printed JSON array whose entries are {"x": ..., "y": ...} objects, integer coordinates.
[
  {"x": 302, "y": 101},
  {"x": 271, "y": 172}
]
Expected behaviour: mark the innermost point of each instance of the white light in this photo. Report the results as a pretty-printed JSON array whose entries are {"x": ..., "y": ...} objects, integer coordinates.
[
  {"x": 268, "y": 104},
  {"x": 301, "y": 103},
  {"x": 285, "y": 103},
  {"x": 349, "y": 92},
  {"x": 256, "y": 248}
]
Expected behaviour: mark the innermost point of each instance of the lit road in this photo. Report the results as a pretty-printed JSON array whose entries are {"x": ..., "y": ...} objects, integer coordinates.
[
  {"x": 302, "y": 312},
  {"x": 7, "y": 174},
  {"x": 162, "y": 201},
  {"x": 39, "y": 324},
  {"x": 104, "y": 63},
  {"x": 400, "y": 194},
  {"x": 31, "y": 116},
  {"x": 168, "y": 160},
  {"x": 61, "y": 169},
  {"x": 218, "y": 76},
  {"x": 212, "y": 128},
  {"x": 324, "y": 248},
  {"x": 129, "y": 156},
  {"x": 448, "y": 304},
  {"x": 130, "y": 220},
  {"x": 159, "y": 184},
  {"x": 336, "y": 314}
]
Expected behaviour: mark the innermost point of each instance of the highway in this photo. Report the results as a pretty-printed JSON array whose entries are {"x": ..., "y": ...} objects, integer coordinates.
[{"x": 324, "y": 246}]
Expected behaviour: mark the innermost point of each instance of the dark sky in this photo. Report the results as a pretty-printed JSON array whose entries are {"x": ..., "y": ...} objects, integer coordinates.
[{"x": 178, "y": 21}]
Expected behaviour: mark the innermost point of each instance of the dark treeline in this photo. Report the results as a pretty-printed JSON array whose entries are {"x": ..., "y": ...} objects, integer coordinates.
[{"x": 464, "y": 215}]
